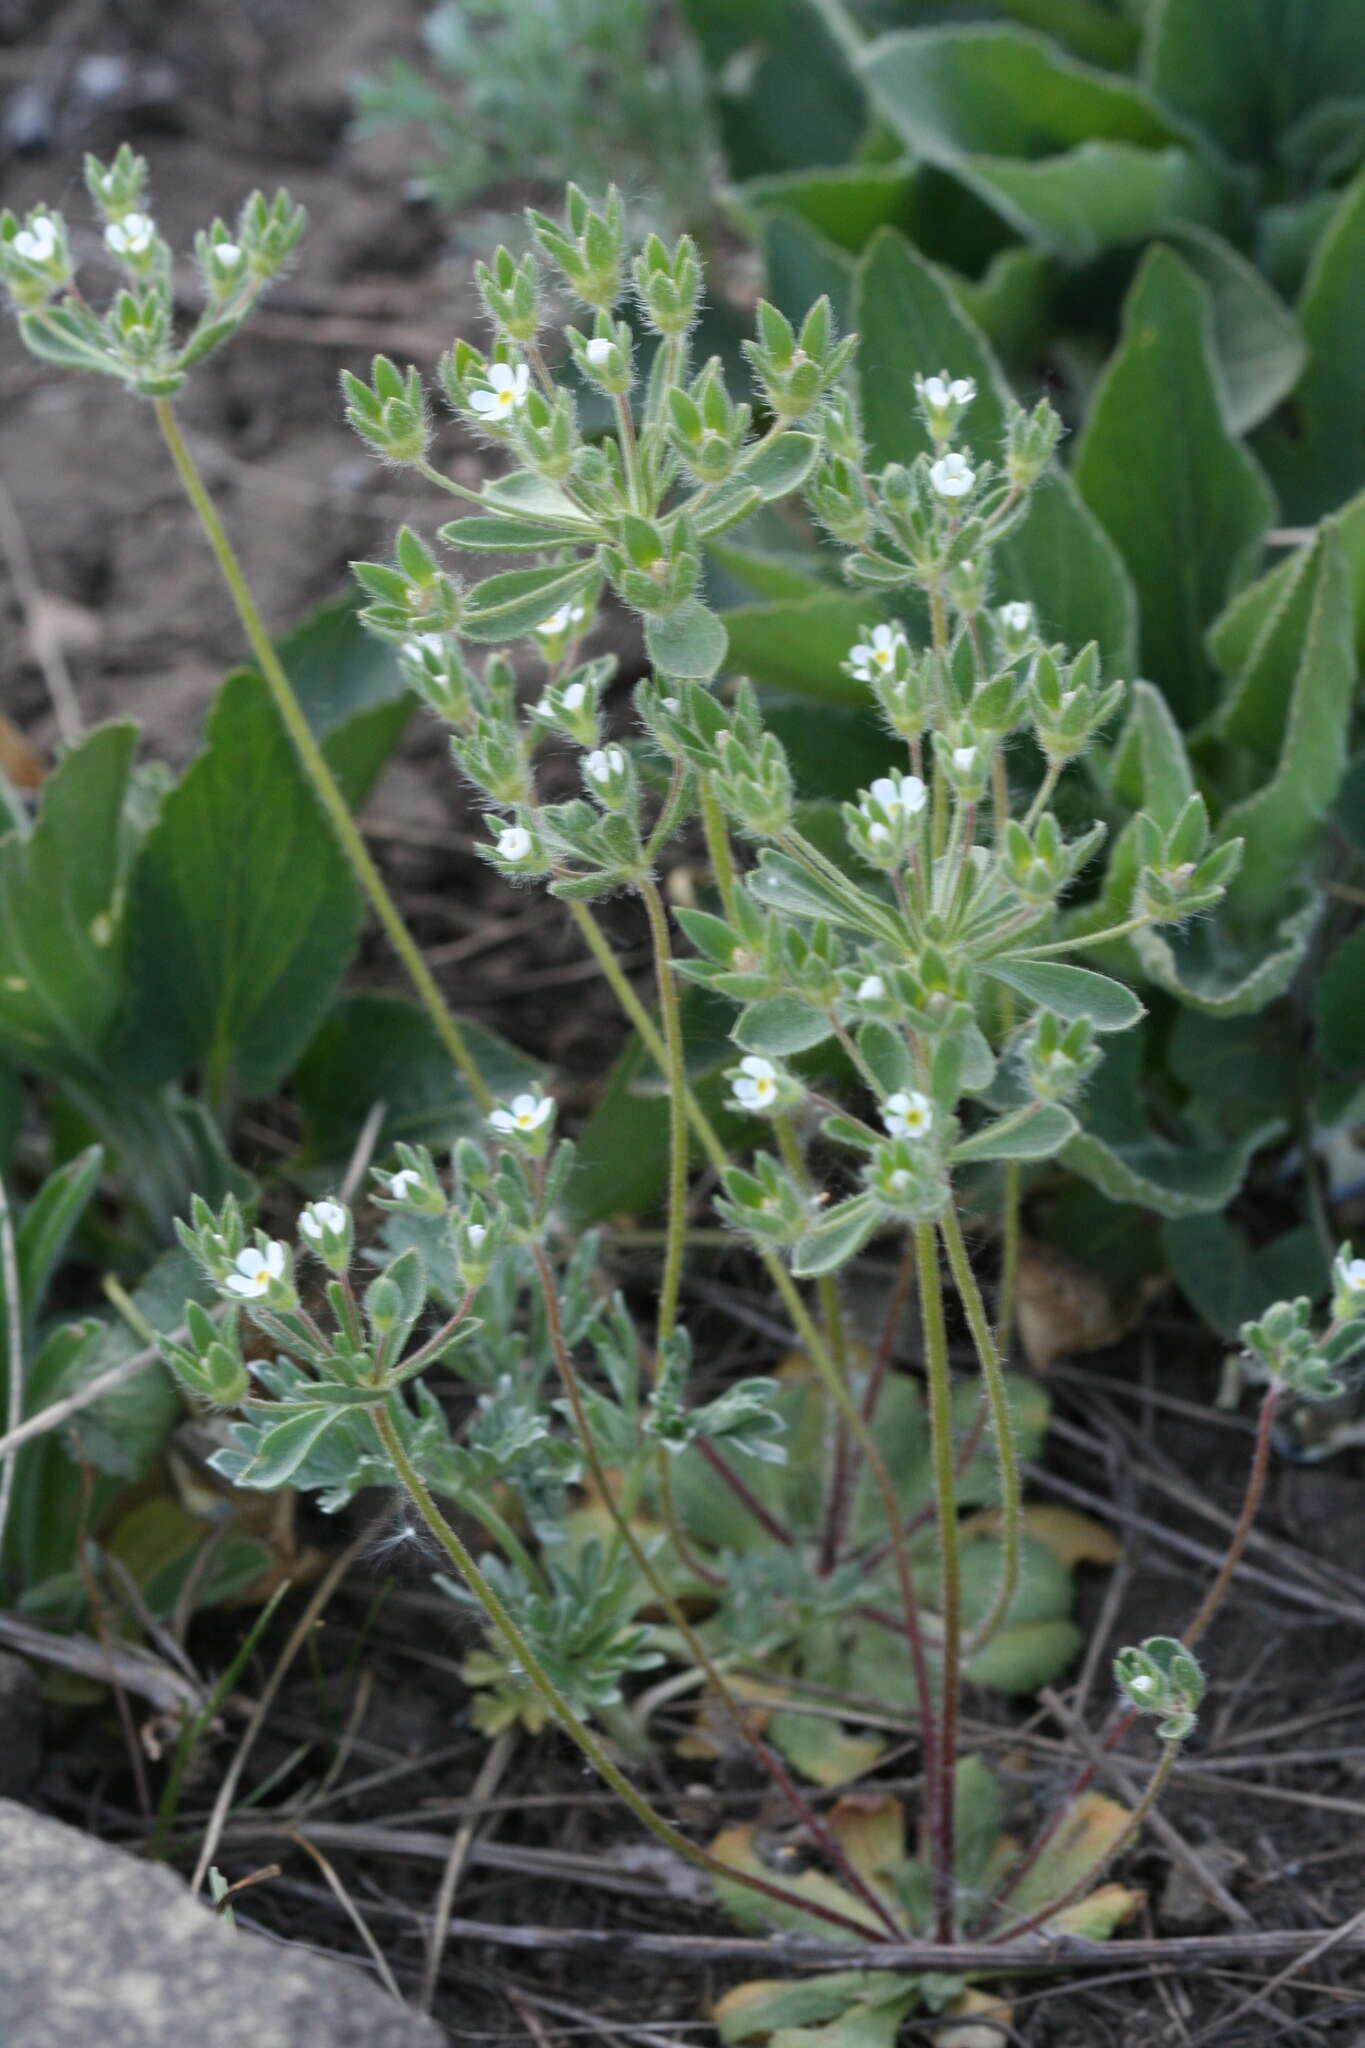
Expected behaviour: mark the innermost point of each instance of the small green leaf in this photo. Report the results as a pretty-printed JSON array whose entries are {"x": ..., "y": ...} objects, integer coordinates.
[
  {"x": 47, "y": 1224},
  {"x": 242, "y": 912},
  {"x": 351, "y": 691},
  {"x": 1033, "y": 1133},
  {"x": 505, "y": 534},
  {"x": 782, "y": 466},
  {"x": 516, "y": 602},
  {"x": 284, "y": 1447},
  {"x": 834, "y": 1240},
  {"x": 888, "y": 1055},
  {"x": 1185, "y": 504},
  {"x": 688, "y": 643},
  {"x": 781, "y": 1026},
  {"x": 1071, "y": 991}
]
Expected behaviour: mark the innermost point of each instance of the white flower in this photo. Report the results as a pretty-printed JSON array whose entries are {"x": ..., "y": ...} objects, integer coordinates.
[
  {"x": 226, "y": 255},
  {"x": 952, "y": 476},
  {"x": 475, "y": 1234},
  {"x": 964, "y": 759},
  {"x": 670, "y": 703},
  {"x": 37, "y": 243},
  {"x": 897, "y": 793},
  {"x": 1142, "y": 1683},
  {"x": 573, "y": 697},
  {"x": 523, "y": 1113},
  {"x": 878, "y": 834},
  {"x": 877, "y": 656},
  {"x": 1350, "y": 1274},
  {"x": 755, "y": 1085},
  {"x": 403, "y": 1183},
  {"x": 132, "y": 236},
  {"x": 872, "y": 989},
  {"x": 598, "y": 352},
  {"x": 943, "y": 391},
  {"x": 319, "y": 1217},
  {"x": 1017, "y": 617},
  {"x": 504, "y": 392},
  {"x": 255, "y": 1271},
  {"x": 604, "y": 763},
  {"x": 514, "y": 843},
  {"x": 908, "y": 1114},
  {"x": 419, "y": 644},
  {"x": 899, "y": 1180},
  {"x": 560, "y": 621}
]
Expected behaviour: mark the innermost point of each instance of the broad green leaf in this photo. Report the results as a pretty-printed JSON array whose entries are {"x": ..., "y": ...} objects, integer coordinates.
[
  {"x": 1315, "y": 452},
  {"x": 800, "y": 266},
  {"x": 845, "y": 205},
  {"x": 1090, "y": 28},
  {"x": 1185, "y": 504},
  {"x": 1228, "y": 971},
  {"x": 1246, "y": 70},
  {"x": 1023, "y": 1655},
  {"x": 621, "y": 1156},
  {"x": 1150, "y": 768},
  {"x": 887, "y": 1054},
  {"x": 351, "y": 691},
  {"x": 783, "y": 85},
  {"x": 1029, "y": 1134},
  {"x": 1060, "y": 559},
  {"x": 1096, "y": 196},
  {"x": 1072, "y": 992},
  {"x": 1339, "y": 1005},
  {"x": 784, "y": 885},
  {"x": 780, "y": 1027},
  {"x": 833, "y": 752},
  {"x": 380, "y": 1048},
  {"x": 523, "y": 493},
  {"x": 1256, "y": 708},
  {"x": 1282, "y": 821},
  {"x": 61, "y": 894},
  {"x": 798, "y": 645},
  {"x": 1089, "y": 1831},
  {"x": 1228, "y": 1281},
  {"x": 688, "y": 643},
  {"x": 242, "y": 913},
  {"x": 791, "y": 2013},
  {"x": 47, "y": 1223},
  {"x": 516, "y": 602},
  {"x": 1004, "y": 92},
  {"x": 1239, "y": 633},
  {"x": 1070, "y": 156},
  {"x": 1120, "y": 1152},
  {"x": 1258, "y": 346}
]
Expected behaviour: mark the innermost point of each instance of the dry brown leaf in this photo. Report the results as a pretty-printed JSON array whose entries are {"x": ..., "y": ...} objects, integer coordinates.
[{"x": 20, "y": 764}]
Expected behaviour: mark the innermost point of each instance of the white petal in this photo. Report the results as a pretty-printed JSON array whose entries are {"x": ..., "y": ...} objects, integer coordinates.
[
  {"x": 761, "y": 1069},
  {"x": 484, "y": 403},
  {"x": 502, "y": 1120}
]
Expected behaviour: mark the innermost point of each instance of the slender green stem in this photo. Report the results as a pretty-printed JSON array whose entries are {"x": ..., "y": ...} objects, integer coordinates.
[
  {"x": 941, "y": 1793},
  {"x": 630, "y": 454},
  {"x": 505, "y": 1623},
  {"x": 697, "y": 1649},
  {"x": 1002, "y": 1422},
  {"x": 1041, "y": 800},
  {"x": 718, "y": 848},
  {"x": 1083, "y": 939},
  {"x": 313, "y": 761},
  {"x": 500, "y": 1529},
  {"x": 806, "y": 1331},
  {"x": 1156, "y": 1784},
  {"x": 1011, "y": 1228},
  {"x": 677, "y": 1112}
]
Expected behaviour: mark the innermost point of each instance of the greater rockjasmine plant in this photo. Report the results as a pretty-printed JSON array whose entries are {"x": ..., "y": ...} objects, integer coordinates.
[{"x": 907, "y": 1031}]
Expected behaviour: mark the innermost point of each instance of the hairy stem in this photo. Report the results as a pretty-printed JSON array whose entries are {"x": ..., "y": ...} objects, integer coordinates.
[
  {"x": 940, "y": 1787},
  {"x": 697, "y": 1649},
  {"x": 676, "y": 1070},
  {"x": 1002, "y": 1422},
  {"x": 505, "y": 1623},
  {"x": 314, "y": 762},
  {"x": 718, "y": 848},
  {"x": 1155, "y": 1786}
]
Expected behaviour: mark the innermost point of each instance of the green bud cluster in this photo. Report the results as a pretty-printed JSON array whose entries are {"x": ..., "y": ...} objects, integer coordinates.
[{"x": 1162, "y": 1677}]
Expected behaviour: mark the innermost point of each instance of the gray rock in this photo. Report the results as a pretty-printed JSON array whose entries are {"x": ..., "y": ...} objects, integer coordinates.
[
  {"x": 21, "y": 1728},
  {"x": 97, "y": 1947}
]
